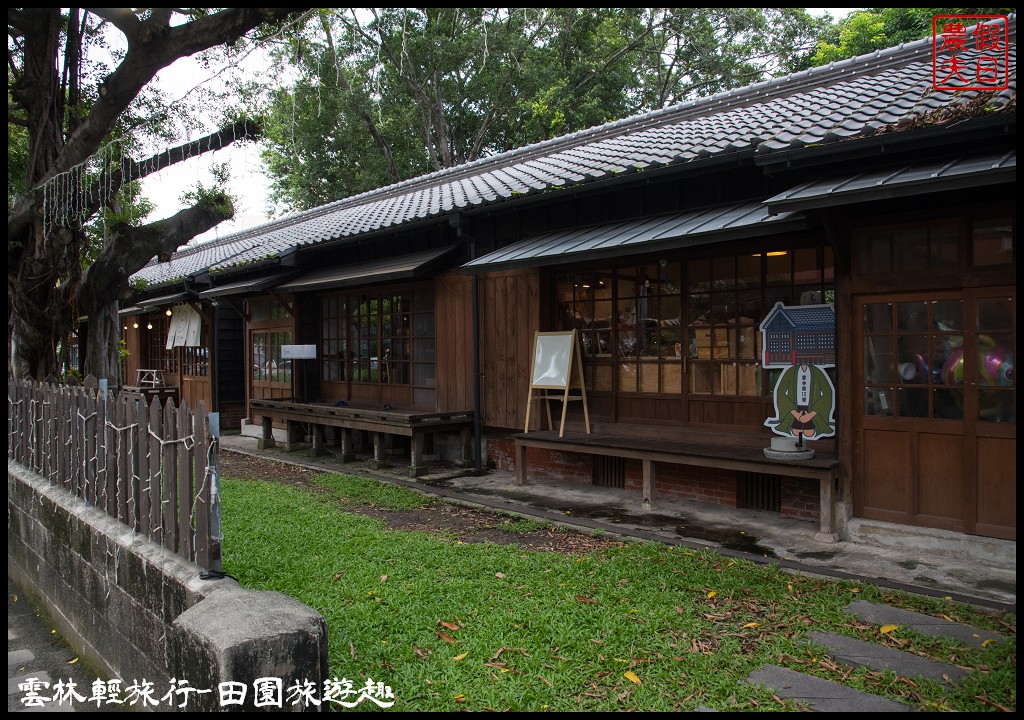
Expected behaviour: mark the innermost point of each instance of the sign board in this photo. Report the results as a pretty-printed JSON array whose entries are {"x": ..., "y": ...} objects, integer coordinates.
[
  {"x": 298, "y": 352},
  {"x": 553, "y": 354}
]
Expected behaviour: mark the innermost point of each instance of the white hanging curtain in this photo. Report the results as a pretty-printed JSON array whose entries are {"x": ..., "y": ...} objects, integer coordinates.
[{"x": 186, "y": 327}]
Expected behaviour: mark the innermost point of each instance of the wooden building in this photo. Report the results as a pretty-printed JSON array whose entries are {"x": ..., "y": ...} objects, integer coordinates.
[{"x": 664, "y": 240}]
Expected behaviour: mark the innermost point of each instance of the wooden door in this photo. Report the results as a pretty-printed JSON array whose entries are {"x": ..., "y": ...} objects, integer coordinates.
[{"x": 934, "y": 410}]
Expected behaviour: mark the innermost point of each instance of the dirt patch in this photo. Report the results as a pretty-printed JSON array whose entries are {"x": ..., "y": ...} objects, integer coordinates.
[{"x": 468, "y": 525}]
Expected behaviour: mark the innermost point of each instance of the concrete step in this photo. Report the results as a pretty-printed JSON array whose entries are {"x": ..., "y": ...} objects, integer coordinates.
[
  {"x": 920, "y": 542},
  {"x": 821, "y": 695},
  {"x": 920, "y": 623},
  {"x": 860, "y": 653}
]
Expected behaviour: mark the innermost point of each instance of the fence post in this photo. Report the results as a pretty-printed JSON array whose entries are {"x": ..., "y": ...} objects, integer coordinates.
[
  {"x": 186, "y": 446},
  {"x": 216, "y": 536}
]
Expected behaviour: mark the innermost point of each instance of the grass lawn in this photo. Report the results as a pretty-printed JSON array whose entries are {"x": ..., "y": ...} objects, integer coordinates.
[{"x": 452, "y": 626}]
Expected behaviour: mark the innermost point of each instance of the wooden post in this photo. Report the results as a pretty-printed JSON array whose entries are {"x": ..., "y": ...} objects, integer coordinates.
[
  {"x": 649, "y": 481},
  {"x": 200, "y": 425},
  {"x": 185, "y": 482},
  {"x": 169, "y": 472},
  {"x": 138, "y": 413},
  {"x": 347, "y": 453}
]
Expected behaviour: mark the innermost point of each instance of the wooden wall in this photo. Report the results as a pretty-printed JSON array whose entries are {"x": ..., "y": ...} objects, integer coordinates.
[
  {"x": 509, "y": 317},
  {"x": 453, "y": 343}
]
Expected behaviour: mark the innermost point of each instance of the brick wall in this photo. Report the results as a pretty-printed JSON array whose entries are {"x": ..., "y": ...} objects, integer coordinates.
[
  {"x": 231, "y": 415},
  {"x": 682, "y": 482},
  {"x": 800, "y": 498}
]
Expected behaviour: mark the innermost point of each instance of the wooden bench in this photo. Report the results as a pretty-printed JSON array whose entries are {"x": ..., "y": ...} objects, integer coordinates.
[
  {"x": 146, "y": 393},
  {"x": 394, "y": 421},
  {"x": 822, "y": 467}
]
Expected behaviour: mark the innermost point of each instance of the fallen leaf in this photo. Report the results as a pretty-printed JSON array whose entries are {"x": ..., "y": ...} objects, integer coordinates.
[
  {"x": 886, "y": 629},
  {"x": 712, "y": 593},
  {"x": 500, "y": 576},
  {"x": 446, "y": 638},
  {"x": 72, "y": 661},
  {"x": 450, "y": 626},
  {"x": 383, "y": 578},
  {"x": 855, "y": 590},
  {"x": 457, "y": 658},
  {"x": 586, "y": 600},
  {"x": 14, "y": 598},
  {"x": 947, "y": 617},
  {"x": 337, "y": 576},
  {"x": 460, "y": 698},
  {"x": 546, "y": 681},
  {"x": 632, "y": 677},
  {"x": 752, "y": 625},
  {"x": 352, "y": 651},
  {"x": 988, "y": 642}
]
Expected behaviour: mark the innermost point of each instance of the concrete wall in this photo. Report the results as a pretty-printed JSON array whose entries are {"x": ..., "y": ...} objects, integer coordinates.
[{"x": 139, "y": 611}]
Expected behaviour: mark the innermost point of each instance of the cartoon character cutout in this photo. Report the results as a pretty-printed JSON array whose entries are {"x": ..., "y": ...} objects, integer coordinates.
[{"x": 801, "y": 340}]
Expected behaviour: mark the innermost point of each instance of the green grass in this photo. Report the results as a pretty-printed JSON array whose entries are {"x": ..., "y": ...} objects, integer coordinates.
[{"x": 452, "y": 626}]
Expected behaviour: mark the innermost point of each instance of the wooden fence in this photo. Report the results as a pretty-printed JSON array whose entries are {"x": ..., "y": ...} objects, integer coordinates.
[{"x": 155, "y": 468}]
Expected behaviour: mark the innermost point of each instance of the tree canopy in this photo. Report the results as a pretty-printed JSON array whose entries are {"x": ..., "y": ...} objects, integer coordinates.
[
  {"x": 864, "y": 31},
  {"x": 75, "y": 124},
  {"x": 383, "y": 95}
]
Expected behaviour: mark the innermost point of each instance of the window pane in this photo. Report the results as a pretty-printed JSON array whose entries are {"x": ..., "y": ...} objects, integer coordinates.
[
  {"x": 779, "y": 268},
  {"x": 911, "y": 250},
  {"x": 992, "y": 242}
]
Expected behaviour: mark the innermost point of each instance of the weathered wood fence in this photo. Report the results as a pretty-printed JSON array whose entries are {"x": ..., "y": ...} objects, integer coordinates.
[{"x": 155, "y": 468}]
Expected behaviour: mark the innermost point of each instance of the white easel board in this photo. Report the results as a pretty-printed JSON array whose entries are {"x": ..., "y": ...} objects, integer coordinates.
[{"x": 553, "y": 360}]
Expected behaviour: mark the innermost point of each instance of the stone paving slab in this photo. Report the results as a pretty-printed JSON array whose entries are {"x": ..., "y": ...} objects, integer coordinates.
[
  {"x": 918, "y": 622},
  {"x": 14, "y": 682},
  {"x": 16, "y": 658},
  {"x": 871, "y": 655},
  {"x": 821, "y": 695}
]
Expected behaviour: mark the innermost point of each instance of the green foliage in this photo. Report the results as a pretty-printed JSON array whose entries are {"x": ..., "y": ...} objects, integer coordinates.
[
  {"x": 394, "y": 93},
  {"x": 214, "y": 196},
  {"x": 352, "y": 490},
  {"x": 458, "y": 627},
  {"x": 868, "y": 30}
]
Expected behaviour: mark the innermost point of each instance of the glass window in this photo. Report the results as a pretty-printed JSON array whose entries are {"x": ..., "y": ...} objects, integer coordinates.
[
  {"x": 913, "y": 358},
  {"x": 378, "y": 337},
  {"x": 268, "y": 365},
  {"x": 660, "y": 327},
  {"x": 158, "y": 357},
  {"x": 908, "y": 248},
  {"x": 992, "y": 242}
]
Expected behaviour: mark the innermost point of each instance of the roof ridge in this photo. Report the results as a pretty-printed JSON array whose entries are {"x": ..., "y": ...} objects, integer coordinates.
[{"x": 901, "y": 55}]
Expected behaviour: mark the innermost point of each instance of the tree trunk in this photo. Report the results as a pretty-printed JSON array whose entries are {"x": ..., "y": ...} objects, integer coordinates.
[{"x": 103, "y": 339}]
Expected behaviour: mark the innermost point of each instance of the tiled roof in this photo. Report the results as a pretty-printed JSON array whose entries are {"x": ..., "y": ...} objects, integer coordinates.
[{"x": 845, "y": 100}]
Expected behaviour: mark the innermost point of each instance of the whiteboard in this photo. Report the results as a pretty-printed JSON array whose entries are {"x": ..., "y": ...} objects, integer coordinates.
[{"x": 551, "y": 355}]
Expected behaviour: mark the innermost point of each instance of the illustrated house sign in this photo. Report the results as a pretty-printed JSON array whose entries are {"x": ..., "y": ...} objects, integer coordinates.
[{"x": 799, "y": 334}]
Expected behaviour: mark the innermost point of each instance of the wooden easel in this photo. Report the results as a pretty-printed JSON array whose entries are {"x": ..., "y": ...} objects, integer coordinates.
[{"x": 555, "y": 357}]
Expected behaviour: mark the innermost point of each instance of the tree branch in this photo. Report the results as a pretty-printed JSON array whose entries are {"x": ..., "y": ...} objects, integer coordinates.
[
  {"x": 122, "y": 18},
  {"x": 132, "y": 248},
  {"x": 141, "y": 63},
  {"x": 158, "y": 46}
]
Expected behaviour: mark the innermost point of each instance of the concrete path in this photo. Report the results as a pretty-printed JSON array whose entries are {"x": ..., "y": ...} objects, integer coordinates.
[
  {"x": 40, "y": 666},
  {"x": 827, "y": 696}
]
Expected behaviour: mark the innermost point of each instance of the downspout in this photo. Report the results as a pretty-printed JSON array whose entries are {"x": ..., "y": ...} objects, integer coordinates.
[
  {"x": 214, "y": 368},
  {"x": 477, "y": 413},
  {"x": 475, "y": 315}
]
